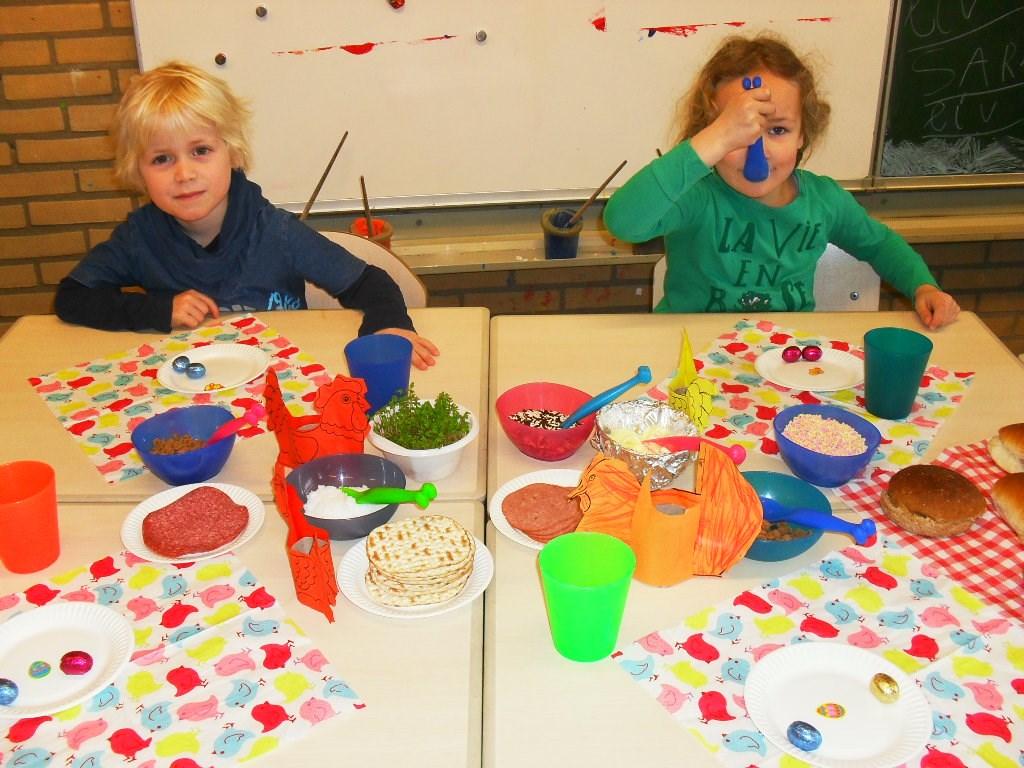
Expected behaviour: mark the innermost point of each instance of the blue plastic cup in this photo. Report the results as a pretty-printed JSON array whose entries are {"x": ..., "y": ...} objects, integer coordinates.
[
  {"x": 383, "y": 361},
  {"x": 561, "y": 241}
]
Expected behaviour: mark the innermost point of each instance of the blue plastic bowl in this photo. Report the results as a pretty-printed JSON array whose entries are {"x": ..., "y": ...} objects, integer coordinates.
[
  {"x": 792, "y": 492},
  {"x": 199, "y": 421},
  {"x": 354, "y": 470},
  {"x": 819, "y": 468}
]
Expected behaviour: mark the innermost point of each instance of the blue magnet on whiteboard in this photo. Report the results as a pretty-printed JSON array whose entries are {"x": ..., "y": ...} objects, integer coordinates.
[{"x": 755, "y": 167}]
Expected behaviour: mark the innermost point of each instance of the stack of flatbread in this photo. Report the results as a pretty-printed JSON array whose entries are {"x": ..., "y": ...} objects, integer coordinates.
[{"x": 419, "y": 561}]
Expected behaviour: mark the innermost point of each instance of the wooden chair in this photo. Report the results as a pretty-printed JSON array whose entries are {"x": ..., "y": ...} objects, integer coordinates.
[
  {"x": 841, "y": 283},
  {"x": 413, "y": 290}
]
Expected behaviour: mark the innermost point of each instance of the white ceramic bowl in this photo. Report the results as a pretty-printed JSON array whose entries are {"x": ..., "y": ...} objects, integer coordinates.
[{"x": 426, "y": 464}]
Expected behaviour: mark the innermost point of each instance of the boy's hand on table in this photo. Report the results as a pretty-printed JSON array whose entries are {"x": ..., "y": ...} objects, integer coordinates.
[
  {"x": 423, "y": 350},
  {"x": 935, "y": 308},
  {"x": 191, "y": 308}
]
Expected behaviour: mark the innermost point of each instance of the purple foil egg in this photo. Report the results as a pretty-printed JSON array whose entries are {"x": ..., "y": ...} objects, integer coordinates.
[
  {"x": 811, "y": 353},
  {"x": 791, "y": 354},
  {"x": 75, "y": 663}
]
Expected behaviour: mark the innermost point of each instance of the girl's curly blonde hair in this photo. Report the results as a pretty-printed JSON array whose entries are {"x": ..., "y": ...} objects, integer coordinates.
[
  {"x": 739, "y": 56},
  {"x": 176, "y": 96}
]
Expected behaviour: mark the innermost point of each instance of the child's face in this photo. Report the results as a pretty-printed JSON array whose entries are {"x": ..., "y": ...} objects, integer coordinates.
[
  {"x": 187, "y": 175},
  {"x": 783, "y": 139}
]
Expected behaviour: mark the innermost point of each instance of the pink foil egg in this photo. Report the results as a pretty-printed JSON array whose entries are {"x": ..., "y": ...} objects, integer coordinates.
[
  {"x": 75, "y": 663},
  {"x": 791, "y": 354},
  {"x": 811, "y": 353}
]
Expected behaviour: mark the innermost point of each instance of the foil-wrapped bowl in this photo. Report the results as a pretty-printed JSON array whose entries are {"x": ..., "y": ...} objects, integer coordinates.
[{"x": 635, "y": 420}]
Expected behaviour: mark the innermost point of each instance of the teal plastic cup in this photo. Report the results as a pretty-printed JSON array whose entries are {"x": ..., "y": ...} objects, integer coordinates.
[
  {"x": 894, "y": 362},
  {"x": 586, "y": 578}
]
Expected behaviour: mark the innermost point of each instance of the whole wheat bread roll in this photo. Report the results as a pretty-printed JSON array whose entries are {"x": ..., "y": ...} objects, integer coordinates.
[
  {"x": 932, "y": 501},
  {"x": 1007, "y": 448},
  {"x": 1008, "y": 494}
]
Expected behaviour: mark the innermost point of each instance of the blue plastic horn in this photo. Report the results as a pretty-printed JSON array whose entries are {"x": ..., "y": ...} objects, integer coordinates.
[{"x": 755, "y": 167}]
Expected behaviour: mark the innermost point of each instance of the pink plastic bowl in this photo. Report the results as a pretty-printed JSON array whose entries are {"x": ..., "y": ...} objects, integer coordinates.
[{"x": 544, "y": 444}]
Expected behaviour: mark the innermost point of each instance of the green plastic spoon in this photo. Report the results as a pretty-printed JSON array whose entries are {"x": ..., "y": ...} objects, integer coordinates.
[{"x": 420, "y": 497}]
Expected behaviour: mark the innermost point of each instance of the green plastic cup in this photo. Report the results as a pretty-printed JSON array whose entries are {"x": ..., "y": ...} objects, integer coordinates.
[
  {"x": 894, "y": 362},
  {"x": 586, "y": 578}
]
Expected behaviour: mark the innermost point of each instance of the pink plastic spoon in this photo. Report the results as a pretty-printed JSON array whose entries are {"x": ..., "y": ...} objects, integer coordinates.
[
  {"x": 677, "y": 443},
  {"x": 250, "y": 418}
]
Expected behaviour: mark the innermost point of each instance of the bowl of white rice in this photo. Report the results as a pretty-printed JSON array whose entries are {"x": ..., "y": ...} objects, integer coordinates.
[
  {"x": 824, "y": 444},
  {"x": 318, "y": 485}
]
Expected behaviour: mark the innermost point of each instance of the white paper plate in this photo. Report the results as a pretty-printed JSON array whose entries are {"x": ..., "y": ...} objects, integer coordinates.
[
  {"x": 570, "y": 478},
  {"x": 131, "y": 529},
  {"x": 46, "y": 634},
  {"x": 838, "y": 370},
  {"x": 791, "y": 683},
  {"x": 227, "y": 366},
  {"x": 351, "y": 580}
]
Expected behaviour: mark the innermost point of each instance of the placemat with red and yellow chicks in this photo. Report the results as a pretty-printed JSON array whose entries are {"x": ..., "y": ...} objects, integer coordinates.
[
  {"x": 100, "y": 402},
  {"x": 219, "y": 674},
  {"x": 966, "y": 657},
  {"x": 746, "y": 403}
]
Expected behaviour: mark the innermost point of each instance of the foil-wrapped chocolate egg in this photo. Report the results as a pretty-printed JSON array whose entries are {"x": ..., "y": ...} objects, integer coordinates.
[
  {"x": 803, "y": 736},
  {"x": 791, "y": 354},
  {"x": 38, "y": 670},
  {"x": 884, "y": 688},
  {"x": 180, "y": 363},
  {"x": 8, "y": 691},
  {"x": 195, "y": 370},
  {"x": 75, "y": 663},
  {"x": 811, "y": 353}
]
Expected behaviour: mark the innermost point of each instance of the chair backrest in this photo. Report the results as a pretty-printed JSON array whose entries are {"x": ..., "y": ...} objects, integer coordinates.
[
  {"x": 413, "y": 290},
  {"x": 841, "y": 283}
]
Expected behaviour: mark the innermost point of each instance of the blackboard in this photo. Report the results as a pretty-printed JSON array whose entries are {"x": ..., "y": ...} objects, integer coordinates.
[
  {"x": 956, "y": 101},
  {"x": 454, "y": 102}
]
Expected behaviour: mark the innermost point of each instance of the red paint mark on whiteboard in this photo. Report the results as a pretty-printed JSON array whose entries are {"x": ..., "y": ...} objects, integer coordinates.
[
  {"x": 435, "y": 38},
  {"x": 679, "y": 30},
  {"x": 600, "y": 23},
  {"x": 359, "y": 48},
  {"x": 818, "y": 18}
]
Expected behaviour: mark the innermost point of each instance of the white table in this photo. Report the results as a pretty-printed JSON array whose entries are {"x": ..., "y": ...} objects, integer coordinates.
[
  {"x": 420, "y": 679},
  {"x": 41, "y": 343},
  {"x": 543, "y": 710}
]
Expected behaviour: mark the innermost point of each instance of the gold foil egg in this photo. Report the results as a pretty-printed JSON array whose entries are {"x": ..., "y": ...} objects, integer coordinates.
[{"x": 884, "y": 688}]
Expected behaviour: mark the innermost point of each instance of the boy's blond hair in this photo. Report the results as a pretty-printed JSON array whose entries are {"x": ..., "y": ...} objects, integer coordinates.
[
  {"x": 739, "y": 56},
  {"x": 179, "y": 97}
]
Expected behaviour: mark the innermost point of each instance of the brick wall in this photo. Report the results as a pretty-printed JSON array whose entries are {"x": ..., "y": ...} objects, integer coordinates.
[{"x": 63, "y": 67}]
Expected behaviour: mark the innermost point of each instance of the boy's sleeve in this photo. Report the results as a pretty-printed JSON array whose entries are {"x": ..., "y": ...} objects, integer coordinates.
[
  {"x": 651, "y": 203},
  {"x": 108, "y": 308},
  {"x": 380, "y": 299},
  {"x": 871, "y": 241}
]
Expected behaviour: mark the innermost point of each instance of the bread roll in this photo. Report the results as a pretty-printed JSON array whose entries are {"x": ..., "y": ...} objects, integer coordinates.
[
  {"x": 1008, "y": 494},
  {"x": 1007, "y": 448},
  {"x": 932, "y": 501}
]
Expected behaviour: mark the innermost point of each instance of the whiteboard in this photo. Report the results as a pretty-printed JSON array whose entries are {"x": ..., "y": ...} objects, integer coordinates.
[{"x": 455, "y": 102}]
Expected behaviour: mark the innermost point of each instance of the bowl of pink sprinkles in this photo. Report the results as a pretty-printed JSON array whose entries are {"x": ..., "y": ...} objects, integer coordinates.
[{"x": 824, "y": 444}]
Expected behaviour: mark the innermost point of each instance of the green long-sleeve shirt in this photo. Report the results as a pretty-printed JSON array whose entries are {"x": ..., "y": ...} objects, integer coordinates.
[{"x": 730, "y": 253}]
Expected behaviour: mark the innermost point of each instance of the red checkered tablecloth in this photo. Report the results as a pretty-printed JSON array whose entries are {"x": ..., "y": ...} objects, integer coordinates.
[{"x": 988, "y": 559}]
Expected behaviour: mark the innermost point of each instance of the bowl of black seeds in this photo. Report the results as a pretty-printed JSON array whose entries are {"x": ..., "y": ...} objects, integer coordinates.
[{"x": 531, "y": 415}]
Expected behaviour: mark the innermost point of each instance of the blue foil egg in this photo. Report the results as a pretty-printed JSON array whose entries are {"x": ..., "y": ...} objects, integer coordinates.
[
  {"x": 180, "y": 363},
  {"x": 8, "y": 691},
  {"x": 195, "y": 370},
  {"x": 803, "y": 736}
]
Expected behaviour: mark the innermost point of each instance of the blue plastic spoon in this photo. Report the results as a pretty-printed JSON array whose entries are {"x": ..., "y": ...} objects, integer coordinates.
[
  {"x": 776, "y": 511},
  {"x": 643, "y": 376},
  {"x": 755, "y": 167}
]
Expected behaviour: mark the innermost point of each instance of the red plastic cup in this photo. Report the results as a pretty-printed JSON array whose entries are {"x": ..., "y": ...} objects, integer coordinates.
[
  {"x": 382, "y": 230},
  {"x": 29, "y": 539}
]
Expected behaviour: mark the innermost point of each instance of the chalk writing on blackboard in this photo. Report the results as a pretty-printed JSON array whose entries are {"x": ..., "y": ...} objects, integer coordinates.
[{"x": 956, "y": 104}]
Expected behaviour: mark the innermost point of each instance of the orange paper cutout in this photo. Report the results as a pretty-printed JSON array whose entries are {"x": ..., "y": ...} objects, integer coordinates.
[
  {"x": 664, "y": 542},
  {"x": 340, "y": 427},
  {"x": 722, "y": 518}
]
